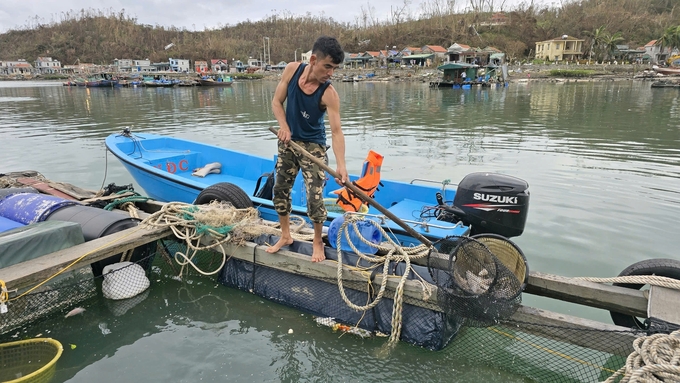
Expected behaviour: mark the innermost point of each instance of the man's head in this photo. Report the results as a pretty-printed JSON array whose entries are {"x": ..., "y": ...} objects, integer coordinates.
[{"x": 326, "y": 46}]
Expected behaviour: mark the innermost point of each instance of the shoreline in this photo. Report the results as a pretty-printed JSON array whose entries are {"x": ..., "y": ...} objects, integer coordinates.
[{"x": 517, "y": 74}]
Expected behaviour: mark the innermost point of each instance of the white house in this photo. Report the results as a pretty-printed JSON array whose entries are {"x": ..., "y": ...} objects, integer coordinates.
[
  {"x": 656, "y": 55},
  {"x": 47, "y": 65},
  {"x": 15, "y": 67},
  {"x": 304, "y": 57},
  {"x": 179, "y": 65}
]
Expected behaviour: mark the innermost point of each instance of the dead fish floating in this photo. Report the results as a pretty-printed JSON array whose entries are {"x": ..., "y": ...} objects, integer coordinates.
[{"x": 75, "y": 311}]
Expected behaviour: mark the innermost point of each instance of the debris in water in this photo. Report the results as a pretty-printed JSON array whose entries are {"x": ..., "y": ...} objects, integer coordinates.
[{"x": 105, "y": 329}]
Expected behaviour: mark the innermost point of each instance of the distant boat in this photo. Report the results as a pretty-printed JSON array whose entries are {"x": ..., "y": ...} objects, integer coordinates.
[
  {"x": 158, "y": 82},
  {"x": 665, "y": 84},
  {"x": 667, "y": 71},
  {"x": 216, "y": 80}
]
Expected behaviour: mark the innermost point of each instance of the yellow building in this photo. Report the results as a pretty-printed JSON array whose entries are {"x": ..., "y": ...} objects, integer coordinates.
[{"x": 565, "y": 48}]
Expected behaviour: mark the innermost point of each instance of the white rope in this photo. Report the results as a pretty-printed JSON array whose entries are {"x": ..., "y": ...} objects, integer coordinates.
[
  {"x": 655, "y": 358},
  {"x": 638, "y": 280},
  {"x": 171, "y": 216},
  {"x": 395, "y": 253}
]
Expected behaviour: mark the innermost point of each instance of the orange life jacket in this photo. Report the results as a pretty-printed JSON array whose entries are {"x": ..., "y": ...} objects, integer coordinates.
[{"x": 368, "y": 183}]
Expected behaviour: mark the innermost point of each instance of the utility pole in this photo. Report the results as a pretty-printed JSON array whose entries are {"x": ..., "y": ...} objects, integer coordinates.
[{"x": 266, "y": 52}]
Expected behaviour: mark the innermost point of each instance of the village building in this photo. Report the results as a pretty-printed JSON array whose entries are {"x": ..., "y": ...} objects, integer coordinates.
[
  {"x": 564, "y": 48},
  {"x": 179, "y": 65},
  {"x": 20, "y": 66},
  {"x": 438, "y": 51},
  {"x": 46, "y": 65},
  {"x": 201, "y": 66},
  {"x": 655, "y": 53},
  {"x": 123, "y": 65},
  {"x": 461, "y": 53},
  {"x": 219, "y": 65}
]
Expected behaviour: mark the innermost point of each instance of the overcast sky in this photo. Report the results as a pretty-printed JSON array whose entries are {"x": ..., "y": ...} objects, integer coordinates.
[{"x": 201, "y": 14}]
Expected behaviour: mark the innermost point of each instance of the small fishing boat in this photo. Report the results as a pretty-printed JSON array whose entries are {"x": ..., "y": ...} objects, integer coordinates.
[
  {"x": 216, "y": 80},
  {"x": 174, "y": 169}
]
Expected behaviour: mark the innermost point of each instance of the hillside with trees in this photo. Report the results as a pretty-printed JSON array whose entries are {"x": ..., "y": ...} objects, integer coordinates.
[{"x": 99, "y": 36}]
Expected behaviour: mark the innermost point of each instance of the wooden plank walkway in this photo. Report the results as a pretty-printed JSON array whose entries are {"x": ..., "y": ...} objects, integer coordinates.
[{"x": 27, "y": 274}]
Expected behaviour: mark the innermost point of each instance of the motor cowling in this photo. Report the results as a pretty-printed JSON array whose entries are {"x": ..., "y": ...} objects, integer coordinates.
[{"x": 492, "y": 203}]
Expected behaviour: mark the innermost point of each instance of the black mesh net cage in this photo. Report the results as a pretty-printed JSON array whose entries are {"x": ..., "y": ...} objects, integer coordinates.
[{"x": 479, "y": 279}]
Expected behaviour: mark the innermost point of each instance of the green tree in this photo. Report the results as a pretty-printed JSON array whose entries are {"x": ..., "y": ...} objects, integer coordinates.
[
  {"x": 670, "y": 39},
  {"x": 609, "y": 43}
]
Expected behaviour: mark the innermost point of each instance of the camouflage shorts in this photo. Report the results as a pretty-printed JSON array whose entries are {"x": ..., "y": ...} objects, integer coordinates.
[{"x": 287, "y": 166}]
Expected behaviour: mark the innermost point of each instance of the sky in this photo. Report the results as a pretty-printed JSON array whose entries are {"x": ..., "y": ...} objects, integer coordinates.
[{"x": 210, "y": 14}]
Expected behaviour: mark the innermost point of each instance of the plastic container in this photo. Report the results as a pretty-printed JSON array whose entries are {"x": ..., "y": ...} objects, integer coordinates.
[
  {"x": 369, "y": 231},
  {"x": 30, "y": 208},
  {"x": 7, "y": 224},
  {"x": 30, "y": 360}
]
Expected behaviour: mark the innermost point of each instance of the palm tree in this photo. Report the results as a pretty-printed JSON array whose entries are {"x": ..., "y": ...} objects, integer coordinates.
[
  {"x": 596, "y": 38},
  {"x": 670, "y": 39},
  {"x": 609, "y": 43}
]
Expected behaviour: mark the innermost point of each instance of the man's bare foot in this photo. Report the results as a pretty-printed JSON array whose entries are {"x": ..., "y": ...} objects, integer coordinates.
[
  {"x": 318, "y": 253},
  {"x": 283, "y": 241}
]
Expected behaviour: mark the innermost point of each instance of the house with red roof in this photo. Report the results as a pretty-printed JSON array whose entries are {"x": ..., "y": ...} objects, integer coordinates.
[
  {"x": 655, "y": 54},
  {"x": 438, "y": 51}
]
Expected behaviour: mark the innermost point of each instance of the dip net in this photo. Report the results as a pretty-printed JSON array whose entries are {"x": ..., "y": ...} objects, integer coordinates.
[{"x": 475, "y": 284}]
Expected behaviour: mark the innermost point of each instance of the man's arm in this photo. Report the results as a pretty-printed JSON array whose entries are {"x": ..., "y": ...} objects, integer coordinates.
[
  {"x": 280, "y": 95},
  {"x": 332, "y": 101}
]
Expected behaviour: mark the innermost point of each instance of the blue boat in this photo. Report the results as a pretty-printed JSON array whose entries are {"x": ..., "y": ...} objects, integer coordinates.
[{"x": 163, "y": 167}]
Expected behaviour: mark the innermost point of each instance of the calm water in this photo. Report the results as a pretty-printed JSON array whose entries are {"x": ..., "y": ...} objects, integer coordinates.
[{"x": 602, "y": 161}]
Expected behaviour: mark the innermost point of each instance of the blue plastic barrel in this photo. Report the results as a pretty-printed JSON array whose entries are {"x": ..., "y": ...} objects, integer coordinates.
[
  {"x": 369, "y": 231},
  {"x": 30, "y": 208},
  {"x": 7, "y": 224}
]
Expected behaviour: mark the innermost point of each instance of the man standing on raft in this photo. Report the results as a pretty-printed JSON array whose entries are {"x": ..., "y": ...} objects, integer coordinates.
[{"x": 309, "y": 95}]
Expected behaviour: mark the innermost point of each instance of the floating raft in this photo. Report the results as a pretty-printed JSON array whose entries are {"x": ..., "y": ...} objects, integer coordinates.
[{"x": 533, "y": 341}]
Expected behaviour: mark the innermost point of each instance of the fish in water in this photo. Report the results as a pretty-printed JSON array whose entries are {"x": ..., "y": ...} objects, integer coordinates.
[{"x": 75, "y": 311}]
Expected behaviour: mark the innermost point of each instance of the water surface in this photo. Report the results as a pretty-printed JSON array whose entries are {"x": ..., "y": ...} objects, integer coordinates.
[{"x": 601, "y": 159}]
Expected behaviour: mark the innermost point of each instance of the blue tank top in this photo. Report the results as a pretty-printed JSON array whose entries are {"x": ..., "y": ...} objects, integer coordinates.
[{"x": 304, "y": 113}]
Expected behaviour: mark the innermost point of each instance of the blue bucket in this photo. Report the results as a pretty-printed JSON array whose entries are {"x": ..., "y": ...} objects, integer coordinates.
[
  {"x": 30, "y": 208},
  {"x": 369, "y": 231},
  {"x": 7, "y": 224}
]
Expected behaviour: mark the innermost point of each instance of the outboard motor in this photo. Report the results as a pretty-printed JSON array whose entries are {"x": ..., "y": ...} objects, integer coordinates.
[{"x": 491, "y": 203}]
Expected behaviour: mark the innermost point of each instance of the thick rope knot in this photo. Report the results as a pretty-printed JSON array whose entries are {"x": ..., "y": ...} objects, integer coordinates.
[
  {"x": 655, "y": 358},
  {"x": 220, "y": 221}
]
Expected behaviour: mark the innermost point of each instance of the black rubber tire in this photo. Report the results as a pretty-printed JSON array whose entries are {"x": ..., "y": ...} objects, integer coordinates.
[
  {"x": 224, "y": 192},
  {"x": 660, "y": 267}
]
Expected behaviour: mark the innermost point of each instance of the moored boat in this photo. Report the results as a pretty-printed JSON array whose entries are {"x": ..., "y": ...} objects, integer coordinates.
[
  {"x": 165, "y": 168},
  {"x": 216, "y": 80},
  {"x": 667, "y": 71}
]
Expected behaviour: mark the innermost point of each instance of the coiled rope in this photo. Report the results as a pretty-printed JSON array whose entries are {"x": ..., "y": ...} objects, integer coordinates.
[
  {"x": 655, "y": 358},
  {"x": 395, "y": 253},
  {"x": 220, "y": 221}
]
